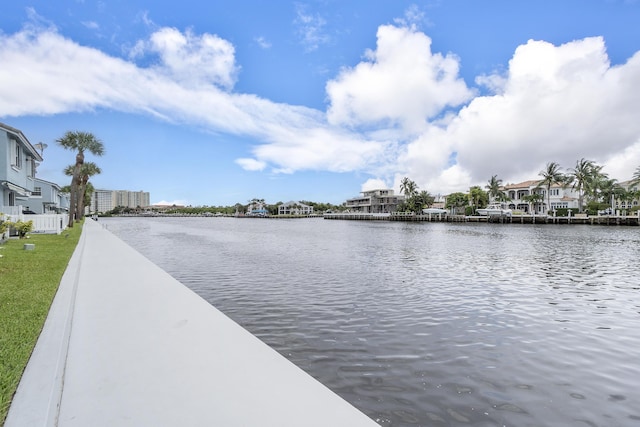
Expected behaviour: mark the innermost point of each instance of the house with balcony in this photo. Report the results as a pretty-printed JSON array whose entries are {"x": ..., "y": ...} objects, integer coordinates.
[
  {"x": 257, "y": 208},
  {"x": 18, "y": 161},
  {"x": 375, "y": 202},
  {"x": 295, "y": 208},
  {"x": 559, "y": 197}
]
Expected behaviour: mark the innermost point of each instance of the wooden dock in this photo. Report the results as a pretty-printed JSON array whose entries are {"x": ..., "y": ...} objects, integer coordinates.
[{"x": 502, "y": 219}]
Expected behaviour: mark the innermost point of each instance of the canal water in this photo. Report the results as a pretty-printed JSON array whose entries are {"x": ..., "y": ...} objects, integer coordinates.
[{"x": 428, "y": 324}]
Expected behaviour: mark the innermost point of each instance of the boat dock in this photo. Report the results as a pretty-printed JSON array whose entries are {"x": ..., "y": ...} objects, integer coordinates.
[{"x": 502, "y": 219}]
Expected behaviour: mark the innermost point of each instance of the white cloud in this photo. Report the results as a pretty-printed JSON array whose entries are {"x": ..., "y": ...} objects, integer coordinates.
[
  {"x": 263, "y": 42},
  {"x": 394, "y": 114},
  {"x": 374, "y": 184},
  {"x": 191, "y": 58},
  {"x": 251, "y": 164},
  {"x": 92, "y": 25},
  {"x": 413, "y": 17},
  {"x": 310, "y": 28},
  {"x": 401, "y": 84},
  {"x": 555, "y": 103}
]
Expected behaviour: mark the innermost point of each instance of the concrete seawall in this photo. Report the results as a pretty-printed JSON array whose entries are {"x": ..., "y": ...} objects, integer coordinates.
[{"x": 125, "y": 344}]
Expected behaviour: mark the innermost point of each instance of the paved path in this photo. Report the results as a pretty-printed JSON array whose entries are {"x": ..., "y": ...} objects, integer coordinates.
[{"x": 125, "y": 344}]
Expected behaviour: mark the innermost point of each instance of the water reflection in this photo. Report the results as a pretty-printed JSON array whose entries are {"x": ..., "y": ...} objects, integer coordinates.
[{"x": 428, "y": 324}]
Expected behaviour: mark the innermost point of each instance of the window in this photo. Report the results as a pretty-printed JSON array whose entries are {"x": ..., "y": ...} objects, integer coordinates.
[
  {"x": 16, "y": 154},
  {"x": 31, "y": 167},
  {"x": 37, "y": 191}
]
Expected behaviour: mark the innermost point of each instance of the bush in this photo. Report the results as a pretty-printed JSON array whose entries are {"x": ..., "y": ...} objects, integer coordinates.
[
  {"x": 565, "y": 211},
  {"x": 4, "y": 225},
  {"x": 23, "y": 227},
  {"x": 469, "y": 210}
]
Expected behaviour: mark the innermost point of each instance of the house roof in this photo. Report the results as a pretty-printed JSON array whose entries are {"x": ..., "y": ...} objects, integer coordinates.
[
  {"x": 290, "y": 203},
  {"x": 523, "y": 185},
  {"x": 18, "y": 133},
  {"x": 53, "y": 184}
]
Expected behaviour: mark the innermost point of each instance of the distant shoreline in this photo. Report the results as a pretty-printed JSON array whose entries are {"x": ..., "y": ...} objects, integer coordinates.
[{"x": 605, "y": 220}]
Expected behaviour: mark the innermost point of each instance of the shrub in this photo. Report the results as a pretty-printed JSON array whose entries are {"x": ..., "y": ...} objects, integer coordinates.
[
  {"x": 23, "y": 227},
  {"x": 4, "y": 225},
  {"x": 565, "y": 211}
]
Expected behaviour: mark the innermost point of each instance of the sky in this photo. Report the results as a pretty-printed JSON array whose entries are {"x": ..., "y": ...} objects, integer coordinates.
[{"x": 217, "y": 103}]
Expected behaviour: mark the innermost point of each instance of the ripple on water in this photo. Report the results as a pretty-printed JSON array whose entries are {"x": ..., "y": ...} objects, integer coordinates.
[{"x": 428, "y": 324}]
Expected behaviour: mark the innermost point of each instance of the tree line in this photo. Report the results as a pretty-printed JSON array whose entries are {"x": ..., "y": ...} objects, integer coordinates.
[{"x": 595, "y": 188}]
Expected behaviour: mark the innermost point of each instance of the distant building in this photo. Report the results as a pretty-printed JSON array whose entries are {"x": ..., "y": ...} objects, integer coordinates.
[
  {"x": 294, "y": 208},
  {"x": 102, "y": 201},
  {"x": 375, "y": 201},
  {"x": 257, "y": 208},
  {"x": 107, "y": 200}
]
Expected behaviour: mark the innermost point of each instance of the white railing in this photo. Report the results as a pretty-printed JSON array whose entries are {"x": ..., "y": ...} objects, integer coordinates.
[{"x": 11, "y": 210}]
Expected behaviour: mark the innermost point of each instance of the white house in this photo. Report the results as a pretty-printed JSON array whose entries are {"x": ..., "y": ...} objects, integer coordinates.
[
  {"x": 294, "y": 208},
  {"x": 631, "y": 186},
  {"x": 559, "y": 197},
  {"x": 375, "y": 201}
]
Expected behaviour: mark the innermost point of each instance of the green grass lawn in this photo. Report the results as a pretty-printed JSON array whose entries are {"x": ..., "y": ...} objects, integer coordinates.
[{"x": 28, "y": 283}]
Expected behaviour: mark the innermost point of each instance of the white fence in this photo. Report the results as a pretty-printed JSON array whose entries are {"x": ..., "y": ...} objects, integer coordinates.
[
  {"x": 42, "y": 223},
  {"x": 47, "y": 223}
]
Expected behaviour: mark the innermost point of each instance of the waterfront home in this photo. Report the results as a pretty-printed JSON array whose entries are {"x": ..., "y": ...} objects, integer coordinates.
[
  {"x": 295, "y": 208},
  {"x": 18, "y": 161},
  {"x": 47, "y": 198},
  {"x": 559, "y": 197},
  {"x": 624, "y": 204},
  {"x": 375, "y": 201},
  {"x": 257, "y": 208}
]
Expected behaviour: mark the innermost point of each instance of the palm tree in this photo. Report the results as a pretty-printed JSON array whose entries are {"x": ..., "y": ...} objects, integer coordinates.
[
  {"x": 532, "y": 199},
  {"x": 477, "y": 197},
  {"x": 79, "y": 142},
  {"x": 596, "y": 183},
  {"x": 580, "y": 177},
  {"x": 636, "y": 176},
  {"x": 494, "y": 185},
  {"x": 408, "y": 187},
  {"x": 551, "y": 175},
  {"x": 87, "y": 170},
  {"x": 423, "y": 199}
]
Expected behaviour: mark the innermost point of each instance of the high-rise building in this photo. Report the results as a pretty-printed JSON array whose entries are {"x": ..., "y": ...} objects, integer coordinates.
[
  {"x": 106, "y": 200},
  {"x": 102, "y": 201}
]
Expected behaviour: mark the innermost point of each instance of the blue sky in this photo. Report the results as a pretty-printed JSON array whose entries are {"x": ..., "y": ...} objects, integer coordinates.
[{"x": 214, "y": 103}]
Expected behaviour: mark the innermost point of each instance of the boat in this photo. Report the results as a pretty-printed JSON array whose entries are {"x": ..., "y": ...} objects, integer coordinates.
[
  {"x": 433, "y": 211},
  {"x": 494, "y": 210}
]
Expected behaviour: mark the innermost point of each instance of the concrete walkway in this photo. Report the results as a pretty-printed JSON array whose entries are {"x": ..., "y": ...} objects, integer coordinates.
[{"x": 125, "y": 344}]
